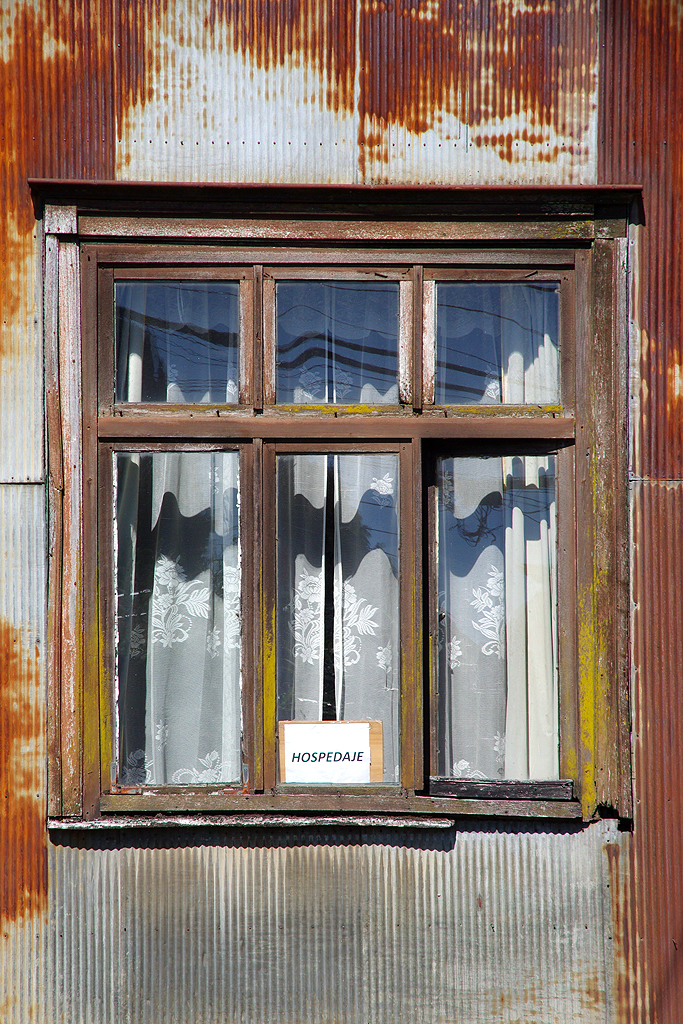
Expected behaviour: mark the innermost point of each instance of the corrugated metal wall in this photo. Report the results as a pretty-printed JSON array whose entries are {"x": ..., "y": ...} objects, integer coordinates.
[
  {"x": 418, "y": 91},
  {"x": 642, "y": 130},
  {"x": 346, "y": 926}
]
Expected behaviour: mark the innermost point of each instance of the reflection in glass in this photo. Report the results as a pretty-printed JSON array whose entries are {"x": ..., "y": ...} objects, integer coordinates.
[
  {"x": 337, "y": 342},
  {"x": 497, "y": 618},
  {"x": 337, "y": 592},
  {"x": 178, "y": 618},
  {"x": 177, "y": 341},
  {"x": 497, "y": 343}
]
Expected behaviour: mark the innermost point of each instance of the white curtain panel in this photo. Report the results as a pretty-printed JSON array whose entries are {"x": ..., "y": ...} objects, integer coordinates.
[
  {"x": 497, "y": 611},
  {"x": 178, "y": 617},
  {"x": 338, "y": 592}
]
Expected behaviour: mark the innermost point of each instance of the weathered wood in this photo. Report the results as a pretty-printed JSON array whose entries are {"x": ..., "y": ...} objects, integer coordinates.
[
  {"x": 331, "y": 802},
  {"x": 468, "y": 789},
  {"x": 55, "y": 468},
  {"x": 339, "y": 424},
  {"x": 72, "y": 567},
  {"x": 267, "y": 229}
]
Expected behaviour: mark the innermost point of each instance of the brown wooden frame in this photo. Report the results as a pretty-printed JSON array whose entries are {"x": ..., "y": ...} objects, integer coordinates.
[{"x": 589, "y": 258}]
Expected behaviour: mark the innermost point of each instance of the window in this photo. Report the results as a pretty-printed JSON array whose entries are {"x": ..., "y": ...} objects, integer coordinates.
[{"x": 341, "y": 547}]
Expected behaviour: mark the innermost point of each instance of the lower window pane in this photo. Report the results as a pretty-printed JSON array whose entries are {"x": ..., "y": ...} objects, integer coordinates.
[
  {"x": 338, "y": 610},
  {"x": 497, "y": 615},
  {"x": 178, "y": 618}
]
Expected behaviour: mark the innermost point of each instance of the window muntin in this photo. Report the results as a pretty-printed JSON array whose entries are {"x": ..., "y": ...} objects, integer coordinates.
[
  {"x": 338, "y": 600},
  {"x": 178, "y": 617},
  {"x": 493, "y": 342},
  {"x": 497, "y": 647},
  {"x": 177, "y": 342}
]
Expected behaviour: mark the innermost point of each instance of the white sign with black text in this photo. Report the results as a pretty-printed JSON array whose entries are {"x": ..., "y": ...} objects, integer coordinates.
[{"x": 335, "y": 753}]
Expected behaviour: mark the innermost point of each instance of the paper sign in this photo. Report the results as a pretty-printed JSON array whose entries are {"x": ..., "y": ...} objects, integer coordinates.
[{"x": 335, "y": 753}]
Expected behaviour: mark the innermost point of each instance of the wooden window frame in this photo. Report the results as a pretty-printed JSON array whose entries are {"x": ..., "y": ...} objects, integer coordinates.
[{"x": 89, "y": 241}]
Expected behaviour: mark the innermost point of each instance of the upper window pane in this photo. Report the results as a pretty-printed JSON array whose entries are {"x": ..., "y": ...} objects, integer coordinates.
[
  {"x": 337, "y": 342},
  {"x": 177, "y": 341},
  {"x": 497, "y": 343}
]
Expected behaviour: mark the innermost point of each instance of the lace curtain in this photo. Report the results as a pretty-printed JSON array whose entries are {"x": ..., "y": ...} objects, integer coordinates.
[
  {"x": 178, "y": 618},
  {"x": 497, "y": 613},
  {"x": 337, "y": 592}
]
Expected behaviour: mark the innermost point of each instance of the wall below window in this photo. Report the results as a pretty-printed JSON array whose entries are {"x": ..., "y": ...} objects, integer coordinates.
[{"x": 484, "y": 923}]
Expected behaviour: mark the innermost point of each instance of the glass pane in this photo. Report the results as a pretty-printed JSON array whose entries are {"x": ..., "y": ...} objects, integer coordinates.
[
  {"x": 497, "y": 343},
  {"x": 178, "y": 618},
  {"x": 177, "y": 341},
  {"x": 497, "y": 616},
  {"x": 337, "y": 342},
  {"x": 338, "y": 595}
]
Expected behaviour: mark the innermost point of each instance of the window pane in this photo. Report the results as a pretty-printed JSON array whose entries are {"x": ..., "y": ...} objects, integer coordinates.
[
  {"x": 178, "y": 617},
  {"x": 497, "y": 343},
  {"x": 337, "y": 592},
  {"x": 337, "y": 342},
  {"x": 497, "y": 639},
  {"x": 177, "y": 341}
]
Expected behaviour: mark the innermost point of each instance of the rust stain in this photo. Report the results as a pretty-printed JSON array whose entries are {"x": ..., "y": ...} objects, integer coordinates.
[
  {"x": 642, "y": 129},
  {"x": 57, "y": 121},
  {"x": 643, "y": 132},
  {"x": 23, "y": 842},
  {"x": 414, "y": 61},
  {"x": 621, "y": 928},
  {"x": 592, "y": 997},
  {"x": 483, "y": 62}
]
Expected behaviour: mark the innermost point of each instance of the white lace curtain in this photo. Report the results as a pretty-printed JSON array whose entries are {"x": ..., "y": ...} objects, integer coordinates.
[
  {"x": 178, "y": 618},
  {"x": 337, "y": 592},
  {"x": 497, "y": 644}
]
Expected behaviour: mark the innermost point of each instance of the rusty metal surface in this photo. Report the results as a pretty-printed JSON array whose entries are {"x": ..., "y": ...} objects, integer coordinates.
[
  {"x": 56, "y": 104},
  {"x": 336, "y": 925},
  {"x": 419, "y": 91},
  {"x": 657, "y": 514},
  {"x": 423, "y": 91},
  {"x": 642, "y": 138},
  {"x": 23, "y": 840}
]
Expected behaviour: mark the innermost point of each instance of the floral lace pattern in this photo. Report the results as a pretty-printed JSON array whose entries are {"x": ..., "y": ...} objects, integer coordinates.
[
  {"x": 384, "y": 657},
  {"x": 135, "y": 771},
  {"x": 211, "y": 771},
  {"x": 174, "y": 601},
  {"x": 383, "y": 489},
  {"x": 356, "y": 620},
  {"x": 489, "y": 600},
  {"x": 464, "y": 770},
  {"x": 312, "y": 385},
  {"x": 231, "y": 609}
]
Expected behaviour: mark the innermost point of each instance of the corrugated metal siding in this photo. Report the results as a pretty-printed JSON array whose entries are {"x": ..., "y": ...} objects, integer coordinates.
[
  {"x": 642, "y": 134},
  {"x": 478, "y": 925},
  {"x": 23, "y": 840},
  {"x": 419, "y": 91},
  {"x": 658, "y": 737},
  {"x": 57, "y": 119}
]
